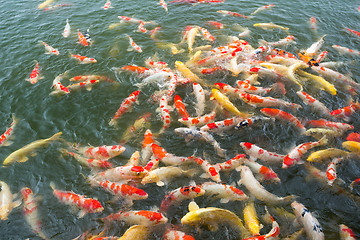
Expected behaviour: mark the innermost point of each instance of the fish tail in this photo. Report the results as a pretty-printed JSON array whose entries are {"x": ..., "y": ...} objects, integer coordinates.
[
  {"x": 278, "y": 88},
  {"x": 290, "y": 198},
  {"x": 15, "y": 119},
  {"x": 52, "y": 185},
  {"x": 56, "y": 136},
  {"x": 323, "y": 140}
]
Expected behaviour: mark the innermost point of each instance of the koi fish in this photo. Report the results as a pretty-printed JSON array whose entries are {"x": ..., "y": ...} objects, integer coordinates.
[
  {"x": 59, "y": 89},
  {"x": 262, "y": 8},
  {"x": 153, "y": 32},
  {"x": 321, "y": 155},
  {"x": 345, "y": 50},
  {"x": 225, "y": 103},
  {"x": 125, "y": 106},
  {"x": 198, "y": 121},
  {"x": 250, "y": 121},
  {"x": 313, "y": 103},
  {"x": 220, "y": 126},
  {"x": 67, "y": 29},
  {"x": 338, "y": 126},
  {"x": 161, "y": 176},
  {"x": 141, "y": 28},
  {"x": 176, "y": 235},
  {"x": 187, "y": 73},
  {"x": 353, "y": 32},
  {"x": 138, "y": 127},
  {"x": 133, "y": 45},
  {"x": 311, "y": 225},
  {"x": 165, "y": 157},
  {"x": 346, "y": 112},
  {"x": 230, "y": 164},
  {"x": 295, "y": 154},
  {"x": 34, "y": 75},
  {"x": 210, "y": 170},
  {"x": 139, "y": 232},
  {"x": 82, "y": 39},
  {"x": 319, "y": 81},
  {"x": 282, "y": 42},
  {"x": 263, "y": 172},
  {"x": 165, "y": 113},
  {"x": 284, "y": 116},
  {"x": 270, "y": 26},
  {"x": 86, "y": 205},
  {"x": 163, "y": 4},
  {"x": 21, "y": 155},
  {"x": 88, "y": 84},
  {"x": 247, "y": 87},
  {"x": 200, "y": 98},
  {"x": 315, "y": 47},
  {"x": 89, "y": 162},
  {"x": 49, "y": 49},
  {"x": 7, "y": 204},
  {"x": 180, "y": 194},
  {"x": 250, "y": 218},
  {"x": 8, "y": 134},
  {"x": 83, "y": 59},
  {"x": 146, "y": 151},
  {"x": 31, "y": 213},
  {"x": 352, "y": 146},
  {"x": 235, "y": 14},
  {"x": 215, "y": 24},
  {"x": 89, "y": 78},
  {"x": 45, "y": 4},
  {"x": 207, "y": 35},
  {"x": 135, "y": 69},
  {"x": 312, "y": 22},
  {"x": 256, "y": 152},
  {"x": 120, "y": 174},
  {"x": 225, "y": 192},
  {"x": 107, "y": 5},
  {"x": 141, "y": 217},
  {"x": 160, "y": 77},
  {"x": 259, "y": 101},
  {"x": 87, "y": 37},
  {"x": 353, "y": 183},
  {"x": 102, "y": 152},
  {"x": 318, "y": 133},
  {"x": 57, "y": 6},
  {"x": 274, "y": 232},
  {"x": 331, "y": 171},
  {"x": 180, "y": 107},
  {"x": 353, "y": 137},
  {"x": 346, "y": 233}
]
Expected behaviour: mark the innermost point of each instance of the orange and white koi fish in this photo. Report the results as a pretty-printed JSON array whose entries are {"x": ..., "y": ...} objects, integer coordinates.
[
  {"x": 316, "y": 105},
  {"x": 346, "y": 112},
  {"x": 210, "y": 171},
  {"x": 134, "y": 69},
  {"x": 353, "y": 32},
  {"x": 296, "y": 153},
  {"x": 226, "y": 103},
  {"x": 130, "y": 20},
  {"x": 83, "y": 59},
  {"x": 107, "y": 5},
  {"x": 86, "y": 205},
  {"x": 256, "y": 189},
  {"x": 191, "y": 122},
  {"x": 163, "y": 4},
  {"x": 102, "y": 152},
  {"x": 121, "y": 174},
  {"x": 225, "y": 192},
  {"x": 165, "y": 157},
  {"x": 82, "y": 39},
  {"x": 133, "y": 45},
  {"x": 7, "y": 135},
  {"x": 207, "y": 35},
  {"x": 49, "y": 49},
  {"x": 230, "y": 164},
  {"x": 31, "y": 213},
  {"x": 313, "y": 23},
  {"x": 235, "y": 14},
  {"x": 34, "y": 75},
  {"x": 6, "y": 201},
  {"x": 89, "y": 162},
  {"x": 125, "y": 106},
  {"x": 88, "y": 84},
  {"x": 153, "y": 32},
  {"x": 163, "y": 175},
  {"x": 67, "y": 29},
  {"x": 353, "y": 183},
  {"x": 259, "y": 101},
  {"x": 346, "y": 233},
  {"x": 250, "y": 121},
  {"x": 282, "y": 42},
  {"x": 146, "y": 151},
  {"x": 172, "y": 234},
  {"x": 156, "y": 65},
  {"x": 90, "y": 77},
  {"x": 215, "y": 24},
  {"x": 345, "y": 50},
  {"x": 322, "y": 123},
  {"x": 283, "y": 116},
  {"x": 141, "y": 28},
  {"x": 227, "y": 89},
  {"x": 139, "y": 125},
  {"x": 311, "y": 225},
  {"x": 256, "y": 152},
  {"x": 141, "y": 217},
  {"x": 264, "y": 173},
  {"x": 165, "y": 113},
  {"x": 331, "y": 171},
  {"x": 221, "y": 126},
  {"x": 321, "y": 57},
  {"x": 262, "y": 8},
  {"x": 180, "y": 106},
  {"x": 180, "y": 194}
]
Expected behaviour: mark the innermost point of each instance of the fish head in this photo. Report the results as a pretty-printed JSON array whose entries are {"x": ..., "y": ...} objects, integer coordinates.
[
  {"x": 150, "y": 177},
  {"x": 26, "y": 192},
  {"x": 191, "y": 218}
]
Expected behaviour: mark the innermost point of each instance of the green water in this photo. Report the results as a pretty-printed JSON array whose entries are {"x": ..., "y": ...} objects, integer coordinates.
[{"x": 83, "y": 116}]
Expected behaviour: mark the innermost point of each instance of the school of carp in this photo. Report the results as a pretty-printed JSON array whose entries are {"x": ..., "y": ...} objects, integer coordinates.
[{"x": 222, "y": 88}]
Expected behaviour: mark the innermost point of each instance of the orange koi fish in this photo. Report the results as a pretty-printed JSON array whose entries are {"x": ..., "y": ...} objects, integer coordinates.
[
  {"x": 121, "y": 173},
  {"x": 353, "y": 137},
  {"x": 322, "y": 123},
  {"x": 235, "y": 14},
  {"x": 107, "y": 5},
  {"x": 353, "y": 32},
  {"x": 146, "y": 151},
  {"x": 59, "y": 88},
  {"x": 264, "y": 173},
  {"x": 133, "y": 45},
  {"x": 83, "y": 59},
  {"x": 125, "y": 106},
  {"x": 313, "y": 23},
  {"x": 49, "y": 49},
  {"x": 89, "y": 162},
  {"x": 215, "y": 24},
  {"x": 231, "y": 164},
  {"x": 88, "y": 84},
  {"x": 346, "y": 233},
  {"x": 316, "y": 105},
  {"x": 331, "y": 171},
  {"x": 345, "y": 50},
  {"x": 82, "y": 39},
  {"x": 207, "y": 35},
  {"x": 163, "y": 4},
  {"x": 198, "y": 121},
  {"x": 220, "y": 126},
  {"x": 259, "y": 101}
]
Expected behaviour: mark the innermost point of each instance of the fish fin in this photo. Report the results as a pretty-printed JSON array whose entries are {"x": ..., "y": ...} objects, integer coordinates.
[
  {"x": 129, "y": 49},
  {"x": 33, "y": 154},
  {"x": 193, "y": 206},
  {"x": 160, "y": 183},
  {"x": 88, "y": 87},
  {"x": 8, "y": 143},
  {"x": 81, "y": 213},
  {"x": 23, "y": 159},
  {"x": 204, "y": 175},
  {"x": 16, "y": 203},
  {"x": 224, "y": 200}
]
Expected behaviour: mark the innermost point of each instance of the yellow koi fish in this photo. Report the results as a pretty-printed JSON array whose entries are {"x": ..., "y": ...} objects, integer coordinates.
[
  {"x": 187, "y": 73},
  {"x": 352, "y": 146},
  {"x": 21, "y": 155},
  {"x": 140, "y": 124},
  {"x": 319, "y": 81},
  {"x": 271, "y": 26},
  {"x": 250, "y": 218},
  {"x": 321, "y": 155},
  {"x": 45, "y": 4},
  {"x": 139, "y": 232},
  {"x": 225, "y": 103}
]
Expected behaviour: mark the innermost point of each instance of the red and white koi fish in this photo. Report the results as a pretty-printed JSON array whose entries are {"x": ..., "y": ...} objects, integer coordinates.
[
  {"x": 264, "y": 173},
  {"x": 296, "y": 153},
  {"x": 311, "y": 225},
  {"x": 346, "y": 112},
  {"x": 172, "y": 234},
  {"x": 163, "y": 4},
  {"x": 180, "y": 194},
  {"x": 227, "y": 89},
  {"x": 133, "y": 45},
  {"x": 221, "y": 126},
  {"x": 198, "y": 121},
  {"x": 262, "y": 8},
  {"x": 165, "y": 157},
  {"x": 88, "y": 84},
  {"x": 89, "y": 162},
  {"x": 121, "y": 174},
  {"x": 156, "y": 65},
  {"x": 321, "y": 56},
  {"x": 256, "y": 152},
  {"x": 49, "y": 49},
  {"x": 130, "y": 19},
  {"x": 125, "y": 106},
  {"x": 200, "y": 98},
  {"x": 322, "y": 123},
  {"x": 102, "y": 152},
  {"x": 34, "y": 75},
  {"x": 107, "y": 5},
  {"x": 283, "y": 116},
  {"x": 152, "y": 164},
  {"x": 225, "y": 192},
  {"x": 86, "y": 205},
  {"x": 353, "y": 32},
  {"x": 207, "y": 35},
  {"x": 345, "y": 50},
  {"x": 313, "y": 23},
  {"x": 180, "y": 106},
  {"x": 282, "y": 42},
  {"x": 83, "y": 59},
  {"x": 6, "y": 201},
  {"x": 165, "y": 113},
  {"x": 331, "y": 170},
  {"x": 224, "y": 12},
  {"x": 67, "y": 29},
  {"x": 250, "y": 121},
  {"x": 141, "y": 217},
  {"x": 215, "y": 24},
  {"x": 31, "y": 213},
  {"x": 346, "y": 233},
  {"x": 316, "y": 105},
  {"x": 259, "y": 101},
  {"x": 231, "y": 164},
  {"x": 7, "y": 135},
  {"x": 82, "y": 39},
  {"x": 146, "y": 151},
  {"x": 90, "y": 77},
  {"x": 57, "y": 6},
  {"x": 210, "y": 171},
  {"x": 247, "y": 87},
  {"x": 212, "y": 70},
  {"x": 273, "y": 234},
  {"x": 141, "y": 28},
  {"x": 256, "y": 189},
  {"x": 355, "y": 182},
  {"x": 122, "y": 191}
]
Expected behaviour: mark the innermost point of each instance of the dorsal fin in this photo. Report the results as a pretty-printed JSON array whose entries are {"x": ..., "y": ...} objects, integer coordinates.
[{"x": 193, "y": 206}]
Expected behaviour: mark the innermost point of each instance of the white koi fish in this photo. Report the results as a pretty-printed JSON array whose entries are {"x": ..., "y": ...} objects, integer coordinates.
[
  {"x": 200, "y": 98},
  {"x": 345, "y": 50},
  {"x": 67, "y": 30},
  {"x": 6, "y": 201},
  {"x": 315, "y": 47}
]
